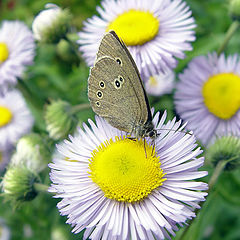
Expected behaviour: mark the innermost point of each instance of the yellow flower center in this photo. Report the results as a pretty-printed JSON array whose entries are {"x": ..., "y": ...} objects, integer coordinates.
[
  {"x": 153, "y": 81},
  {"x": 5, "y": 116},
  {"x": 3, "y": 52},
  {"x": 135, "y": 27},
  {"x": 125, "y": 170},
  {"x": 221, "y": 93}
]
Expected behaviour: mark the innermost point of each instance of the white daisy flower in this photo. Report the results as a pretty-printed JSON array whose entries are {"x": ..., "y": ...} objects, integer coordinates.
[
  {"x": 155, "y": 32},
  {"x": 120, "y": 188},
  {"x": 15, "y": 118},
  {"x": 160, "y": 84},
  {"x": 208, "y": 96},
  {"x": 16, "y": 51}
]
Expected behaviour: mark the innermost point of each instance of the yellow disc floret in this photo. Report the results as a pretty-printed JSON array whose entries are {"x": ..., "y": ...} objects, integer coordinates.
[
  {"x": 153, "y": 81},
  {"x": 221, "y": 93},
  {"x": 3, "y": 52},
  {"x": 135, "y": 27},
  {"x": 125, "y": 170},
  {"x": 5, "y": 116}
]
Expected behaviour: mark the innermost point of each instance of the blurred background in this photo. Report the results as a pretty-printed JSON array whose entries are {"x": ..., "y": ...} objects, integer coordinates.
[{"x": 58, "y": 73}]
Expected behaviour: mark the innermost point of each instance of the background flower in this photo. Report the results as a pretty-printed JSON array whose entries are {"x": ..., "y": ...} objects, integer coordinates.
[
  {"x": 16, "y": 120},
  {"x": 17, "y": 43},
  {"x": 160, "y": 84},
  {"x": 207, "y": 96},
  {"x": 51, "y": 24},
  {"x": 168, "y": 31}
]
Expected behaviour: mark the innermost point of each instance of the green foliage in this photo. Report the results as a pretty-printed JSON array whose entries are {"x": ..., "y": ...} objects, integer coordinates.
[{"x": 59, "y": 74}]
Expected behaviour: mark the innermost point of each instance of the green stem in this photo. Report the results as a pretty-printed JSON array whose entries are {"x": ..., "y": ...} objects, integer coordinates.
[
  {"x": 217, "y": 172},
  {"x": 74, "y": 46},
  {"x": 231, "y": 30},
  {"x": 22, "y": 86},
  {"x": 40, "y": 187},
  {"x": 79, "y": 107}
]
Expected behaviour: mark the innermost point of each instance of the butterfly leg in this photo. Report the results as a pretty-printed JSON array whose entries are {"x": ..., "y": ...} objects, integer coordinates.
[
  {"x": 144, "y": 145},
  {"x": 153, "y": 149}
]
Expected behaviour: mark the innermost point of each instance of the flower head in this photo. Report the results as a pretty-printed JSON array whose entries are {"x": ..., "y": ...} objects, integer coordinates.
[
  {"x": 15, "y": 121},
  {"x": 60, "y": 120},
  {"x": 168, "y": 31},
  {"x": 32, "y": 151},
  {"x": 51, "y": 24},
  {"x": 207, "y": 96},
  {"x": 18, "y": 184},
  {"x": 226, "y": 148},
  {"x": 234, "y": 9},
  {"x": 16, "y": 51},
  {"x": 118, "y": 187},
  {"x": 160, "y": 84}
]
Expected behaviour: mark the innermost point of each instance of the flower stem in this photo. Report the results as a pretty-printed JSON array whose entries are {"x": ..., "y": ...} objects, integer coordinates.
[
  {"x": 79, "y": 107},
  {"x": 74, "y": 46},
  {"x": 40, "y": 187},
  {"x": 231, "y": 30},
  {"x": 217, "y": 172}
]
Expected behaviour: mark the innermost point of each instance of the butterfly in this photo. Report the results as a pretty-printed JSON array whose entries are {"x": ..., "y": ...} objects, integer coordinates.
[{"x": 116, "y": 91}]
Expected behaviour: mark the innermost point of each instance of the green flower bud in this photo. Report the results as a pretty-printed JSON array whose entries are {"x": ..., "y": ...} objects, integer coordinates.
[
  {"x": 226, "y": 148},
  {"x": 66, "y": 52},
  {"x": 51, "y": 24},
  {"x": 18, "y": 185},
  {"x": 60, "y": 121},
  {"x": 32, "y": 151},
  {"x": 234, "y": 9}
]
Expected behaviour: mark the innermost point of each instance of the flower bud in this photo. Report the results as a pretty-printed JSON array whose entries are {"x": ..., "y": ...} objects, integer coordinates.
[
  {"x": 226, "y": 148},
  {"x": 51, "y": 24},
  {"x": 18, "y": 185},
  {"x": 59, "y": 119},
  {"x": 234, "y": 9},
  {"x": 32, "y": 151}
]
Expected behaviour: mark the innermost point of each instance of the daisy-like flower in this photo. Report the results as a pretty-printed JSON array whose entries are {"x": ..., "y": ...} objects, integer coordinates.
[
  {"x": 208, "y": 96},
  {"x": 120, "y": 188},
  {"x": 160, "y": 84},
  {"x": 155, "y": 32},
  {"x": 17, "y": 49},
  {"x": 15, "y": 118}
]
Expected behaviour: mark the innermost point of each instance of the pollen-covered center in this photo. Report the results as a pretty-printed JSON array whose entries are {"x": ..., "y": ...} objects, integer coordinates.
[
  {"x": 153, "y": 81},
  {"x": 5, "y": 116},
  {"x": 125, "y": 170},
  {"x": 135, "y": 27},
  {"x": 221, "y": 93},
  {"x": 3, "y": 52}
]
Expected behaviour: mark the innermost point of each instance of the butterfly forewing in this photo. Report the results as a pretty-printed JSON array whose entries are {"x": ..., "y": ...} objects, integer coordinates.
[
  {"x": 112, "y": 95},
  {"x": 112, "y": 46}
]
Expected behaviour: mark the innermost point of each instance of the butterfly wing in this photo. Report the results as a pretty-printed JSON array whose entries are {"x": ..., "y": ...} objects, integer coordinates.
[
  {"x": 111, "y": 47},
  {"x": 112, "y": 95}
]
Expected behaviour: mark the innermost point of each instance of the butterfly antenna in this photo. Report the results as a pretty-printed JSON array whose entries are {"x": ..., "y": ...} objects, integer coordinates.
[{"x": 169, "y": 129}]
